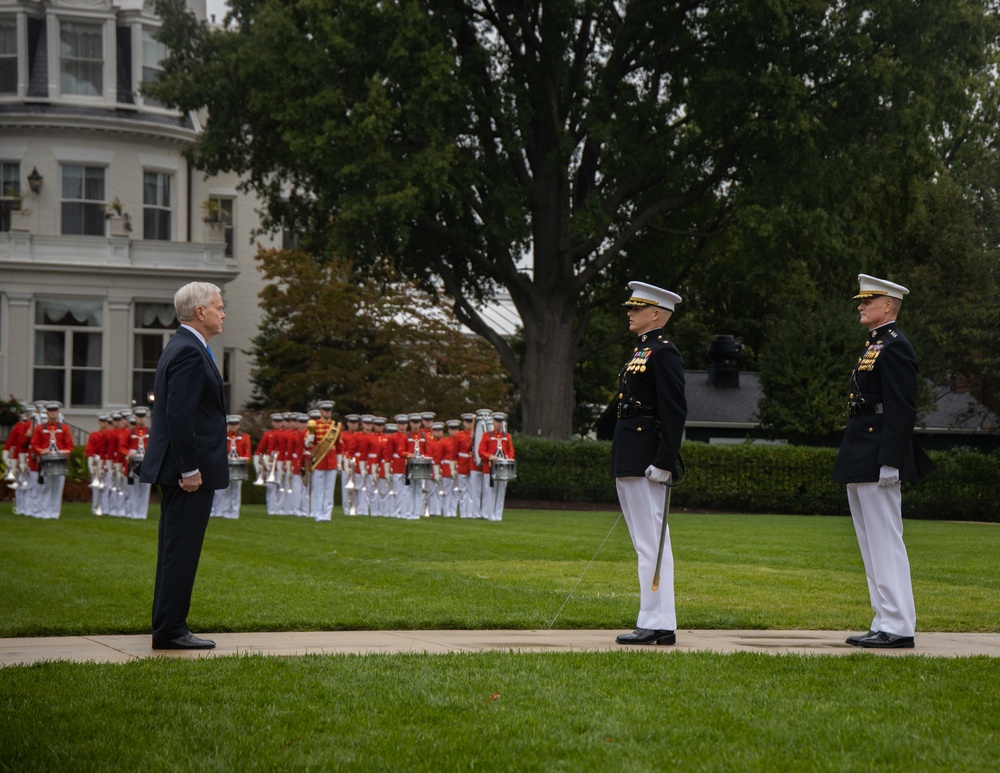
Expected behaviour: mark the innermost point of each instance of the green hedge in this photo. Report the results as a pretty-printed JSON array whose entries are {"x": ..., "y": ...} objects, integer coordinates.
[{"x": 756, "y": 479}]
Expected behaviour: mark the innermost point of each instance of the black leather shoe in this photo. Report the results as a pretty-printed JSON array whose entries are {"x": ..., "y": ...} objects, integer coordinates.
[
  {"x": 887, "y": 641},
  {"x": 647, "y": 636},
  {"x": 186, "y": 642},
  {"x": 855, "y": 641}
]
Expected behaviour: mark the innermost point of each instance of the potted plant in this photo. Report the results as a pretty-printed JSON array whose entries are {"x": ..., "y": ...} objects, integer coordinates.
[
  {"x": 14, "y": 202},
  {"x": 212, "y": 212},
  {"x": 120, "y": 221}
]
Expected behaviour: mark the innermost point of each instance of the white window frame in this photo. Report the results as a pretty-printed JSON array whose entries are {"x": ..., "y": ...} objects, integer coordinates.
[
  {"x": 87, "y": 202},
  {"x": 158, "y": 206},
  {"x": 67, "y": 367},
  {"x": 138, "y": 331},
  {"x": 109, "y": 79}
]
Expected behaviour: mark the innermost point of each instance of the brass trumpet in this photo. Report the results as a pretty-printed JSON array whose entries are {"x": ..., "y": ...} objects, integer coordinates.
[{"x": 271, "y": 463}]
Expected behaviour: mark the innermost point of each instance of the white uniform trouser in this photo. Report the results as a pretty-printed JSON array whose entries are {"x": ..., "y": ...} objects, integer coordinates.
[
  {"x": 449, "y": 503},
  {"x": 27, "y": 495},
  {"x": 642, "y": 504},
  {"x": 489, "y": 499},
  {"x": 116, "y": 496},
  {"x": 50, "y": 497},
  {"x": 375, "y": 489},
  {"x": 394, "y": 502},
  {"x": 96, "y": 500},
  {"x": 475, "y": 495},
  {"x": 361, "y": 500},
  {"x": 226, "y": 502},
  {"x": 878, "y": 522},
  {"x": 271, "y": 498},
  {"x": 137, "y": 496},
  {"x": 413, "y": 506},
  {"x": 323, "y": 482},
  {"x": 463, "y": 503},
  {"x": 499, "y": 495}
]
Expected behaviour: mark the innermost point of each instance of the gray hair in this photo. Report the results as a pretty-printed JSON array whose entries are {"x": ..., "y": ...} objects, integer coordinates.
[{"x": 192, "y": 295}]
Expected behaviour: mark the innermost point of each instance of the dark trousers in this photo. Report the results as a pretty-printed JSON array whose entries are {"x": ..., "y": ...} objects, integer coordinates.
[{"x": 183, "y": 520}]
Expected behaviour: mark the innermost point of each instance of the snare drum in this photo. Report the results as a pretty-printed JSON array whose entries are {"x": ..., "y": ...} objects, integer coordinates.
[
  {"x": 239, "y": 469},
  {"x": 503, "y": 469},
  {"x": 56, "y": 465},
  {"x": 420, "y": 468}
]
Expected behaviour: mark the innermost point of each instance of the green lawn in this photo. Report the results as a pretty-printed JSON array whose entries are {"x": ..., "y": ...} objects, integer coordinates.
[{"x": 631, "y": 710}]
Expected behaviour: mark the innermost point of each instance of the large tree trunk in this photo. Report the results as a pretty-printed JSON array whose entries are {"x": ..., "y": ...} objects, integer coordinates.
[{"x": 547, "y": 397}]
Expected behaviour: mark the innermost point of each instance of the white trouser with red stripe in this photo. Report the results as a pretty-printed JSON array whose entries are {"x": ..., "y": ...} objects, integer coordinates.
[
  {"x": 878, "y": 521},
  {"x": 642, "y": 504}
]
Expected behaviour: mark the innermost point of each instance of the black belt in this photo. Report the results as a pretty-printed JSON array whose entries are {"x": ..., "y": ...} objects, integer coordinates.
[
  {"x": 863, "y": 409},
  {"x": 630, "y": 410}
]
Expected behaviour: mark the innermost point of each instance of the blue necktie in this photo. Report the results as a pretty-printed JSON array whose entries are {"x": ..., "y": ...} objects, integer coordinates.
[{"x": 210, "y": 355}]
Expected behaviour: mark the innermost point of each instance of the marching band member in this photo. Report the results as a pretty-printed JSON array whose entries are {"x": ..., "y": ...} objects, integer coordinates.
[
  {"x": 396, "y": 451},
  {"x": 298, "y": 502},
  {"x": 435, "y": 496},
  {"x": 478, "y": 467},
  {"x": 449, "y": 468},
  {"x": 367, "y": 455},
  {"x": 17, "y": 456},
  {"x": 52, "y": 439},
  {"x": 463, "y": 452},
  {"x": 349, "y": 461},
  {"x": 95, "y": 463},
  {"x": 226, "y": 502},
  {"x": 266, "y": 459},
  {"x": 115, "y": 445},
  {"x": 137, "y": 492},
  {"x": 377, "y": 458},
  {"x": 495, "y": 446},
  {"x": 413, "y": 508},
  {"x": 286, "y": 440},
  {"x": 324, "y": 475}
]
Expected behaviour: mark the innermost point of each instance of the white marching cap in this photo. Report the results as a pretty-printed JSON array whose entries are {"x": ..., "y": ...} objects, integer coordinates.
[
  {"x": 647, "y": 295},
  {"x": 872, "y": 286}
]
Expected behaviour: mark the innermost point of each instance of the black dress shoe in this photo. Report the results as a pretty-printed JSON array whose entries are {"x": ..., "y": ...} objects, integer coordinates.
[
  {"x": 887, "y": 641},
  {"x": 186, "y": 642},
  {"x": 855, "y": 641},
  {"x": 647, "y": 636}
]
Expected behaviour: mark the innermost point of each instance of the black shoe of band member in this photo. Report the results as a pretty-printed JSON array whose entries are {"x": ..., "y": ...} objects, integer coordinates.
[
  {"x": 186, "y": 642},
  {"x": 886, "y": 641},
  {"x": 855, "y": 641},
  {"x": 647, "y": 636}
]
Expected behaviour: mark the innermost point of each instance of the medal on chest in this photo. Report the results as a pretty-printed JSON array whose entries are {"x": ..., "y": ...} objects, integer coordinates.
[
  {"x": 639, "y": 361},
  {"x": 867, "y": 360}
]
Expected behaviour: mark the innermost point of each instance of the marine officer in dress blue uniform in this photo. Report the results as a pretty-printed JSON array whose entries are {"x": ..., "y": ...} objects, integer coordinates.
[
  {"x": 877, "y": 452},
  {"x": 651, "y": 412}
]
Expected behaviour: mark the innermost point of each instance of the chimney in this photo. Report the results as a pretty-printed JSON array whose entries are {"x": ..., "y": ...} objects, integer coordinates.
[{"x": 724, "y": 358}]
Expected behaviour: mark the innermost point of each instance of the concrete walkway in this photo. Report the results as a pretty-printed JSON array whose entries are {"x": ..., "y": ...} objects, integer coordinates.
[{"x": 124, "y": 648}]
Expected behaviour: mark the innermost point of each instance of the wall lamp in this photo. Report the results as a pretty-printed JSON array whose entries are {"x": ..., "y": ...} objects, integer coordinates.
[{"x": 35, "y": 181}]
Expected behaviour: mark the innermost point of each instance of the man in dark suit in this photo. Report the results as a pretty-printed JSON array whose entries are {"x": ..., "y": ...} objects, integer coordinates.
[
  {"x": 878, "y": 452},
  {"x": 186, "y": 457},
  {"x": 651, "y": 413}
]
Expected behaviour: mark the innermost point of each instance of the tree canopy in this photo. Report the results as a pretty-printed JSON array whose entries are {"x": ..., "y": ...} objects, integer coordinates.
[{"x": 559, "y": 148}]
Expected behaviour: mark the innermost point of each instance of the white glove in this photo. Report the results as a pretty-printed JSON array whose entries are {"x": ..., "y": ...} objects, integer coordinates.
[
  {"x": 309, "y": 441},
  {"x": 657, "y": 475},
  {"x": 888, "y": 476}
]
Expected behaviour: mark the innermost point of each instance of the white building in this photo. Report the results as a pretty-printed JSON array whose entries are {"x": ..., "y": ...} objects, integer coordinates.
[{"x": 86, "y": 306}]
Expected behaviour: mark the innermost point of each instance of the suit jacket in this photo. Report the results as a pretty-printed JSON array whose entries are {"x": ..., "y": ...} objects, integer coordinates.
[
  {"x": 652, "y": 408},
  {"x": 886, "y": 376},
  {"x": 189, "y": 417}
]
